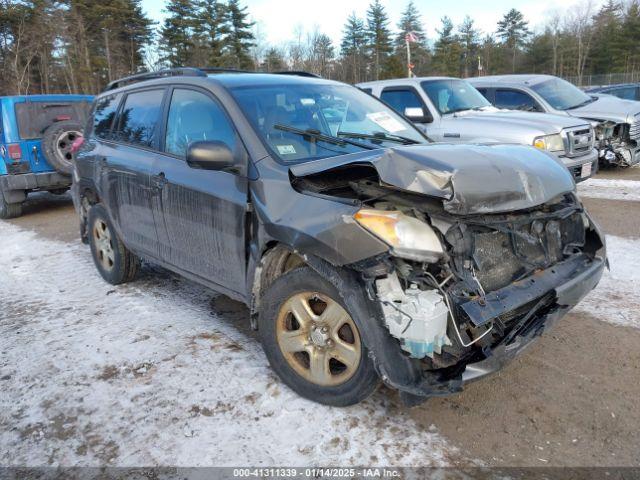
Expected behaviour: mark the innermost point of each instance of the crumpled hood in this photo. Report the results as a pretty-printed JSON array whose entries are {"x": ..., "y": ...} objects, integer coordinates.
[
  {"x": 470, "y": 179},
  {"x": 608, "y": 107}
]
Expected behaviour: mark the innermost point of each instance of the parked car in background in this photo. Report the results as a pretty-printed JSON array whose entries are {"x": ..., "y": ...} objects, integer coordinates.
[
  {"x": 36, "y": 135},
  {"x": 451, "y": 110},
  {"x": 364, "y": 253},
  {"x": 617, "y": 121},
  {"x": 626, "y": 91}
]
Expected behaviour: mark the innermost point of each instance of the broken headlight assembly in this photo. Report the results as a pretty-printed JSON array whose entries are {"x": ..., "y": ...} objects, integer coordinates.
[
  {"x": 551, "y": 143},
  {"x": 407, "y": 236}
]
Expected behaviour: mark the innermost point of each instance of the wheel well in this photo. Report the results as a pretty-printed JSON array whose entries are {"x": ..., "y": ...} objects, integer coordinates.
[
  {"x": 88, "y": 197},
  {"x": 275, "y": 261}
]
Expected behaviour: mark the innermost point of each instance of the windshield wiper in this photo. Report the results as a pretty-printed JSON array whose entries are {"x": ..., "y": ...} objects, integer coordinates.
[
  {"x": 586, "y": 102},
  {"x": 312, "y": 133},
  {"x": 380, "y": 136}
]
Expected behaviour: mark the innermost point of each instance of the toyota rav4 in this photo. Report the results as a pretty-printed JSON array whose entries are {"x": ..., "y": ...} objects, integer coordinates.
[{"x": 365, "y": 254}]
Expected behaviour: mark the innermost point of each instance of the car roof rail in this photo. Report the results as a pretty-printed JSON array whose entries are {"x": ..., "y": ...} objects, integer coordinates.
[
  {"x": 194, "y": 72},
  {"x": 297, "y": 73},
  {"x": 168, "y": 72}
]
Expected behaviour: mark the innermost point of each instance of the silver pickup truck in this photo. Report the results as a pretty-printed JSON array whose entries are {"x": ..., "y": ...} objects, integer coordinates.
[
  {"x": 451, "y": 110},
  {"x": 616, "y": 121}
]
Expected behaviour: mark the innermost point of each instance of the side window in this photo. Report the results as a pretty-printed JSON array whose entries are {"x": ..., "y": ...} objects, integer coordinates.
[
  {"x": 484, "y": 92},
  {"x": 515, "y": 100},
  {"x": 401, "y": 99},
  {"x": 194, "y": 116},
  {"x": 367, "y": 90},
  {"x": 138, "y": 120},
  {"x": 627, "y": 93},
  {"x": 103, "y": 115}
]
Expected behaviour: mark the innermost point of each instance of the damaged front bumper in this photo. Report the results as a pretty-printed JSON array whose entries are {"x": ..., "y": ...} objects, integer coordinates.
[{"x": 562, "y": 285}]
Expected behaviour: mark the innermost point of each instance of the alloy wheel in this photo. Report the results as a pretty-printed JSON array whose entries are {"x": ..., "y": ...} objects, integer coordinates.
[{"x": 104, "y": 245}]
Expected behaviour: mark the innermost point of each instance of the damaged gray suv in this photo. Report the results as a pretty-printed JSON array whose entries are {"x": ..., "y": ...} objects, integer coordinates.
[{"x": 365, "y": 254}]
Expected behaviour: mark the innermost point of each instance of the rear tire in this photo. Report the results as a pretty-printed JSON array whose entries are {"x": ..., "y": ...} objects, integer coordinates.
[
  {"x": 113, "y": 260},
  {"x": 323, "y": 357},
  {"x": 56, "y": 145},
  {"x": 9, "y": 210}
]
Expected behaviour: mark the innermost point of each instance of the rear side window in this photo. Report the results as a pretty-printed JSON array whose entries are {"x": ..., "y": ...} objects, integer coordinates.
[
  {"x": 103, "y": 115},
  {"x": 194, "y": 116},
  {"x": 484, "y": 92},
  {"x": 627, "y": 93},
  {"x": 514, "y": 100},
  {"x": 35, "y": 117},
  {"x": 139, "y": 118},
  {"x": 401, "y": 99}
]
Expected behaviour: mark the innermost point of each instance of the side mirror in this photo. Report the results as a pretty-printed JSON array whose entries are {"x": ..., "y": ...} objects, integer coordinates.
[
  {"x": 210, "y": 155},
  {"x": 418, "y": 115}
]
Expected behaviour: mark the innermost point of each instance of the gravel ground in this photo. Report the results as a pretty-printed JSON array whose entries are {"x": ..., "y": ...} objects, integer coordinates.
[{"x": 164, "y": 372}]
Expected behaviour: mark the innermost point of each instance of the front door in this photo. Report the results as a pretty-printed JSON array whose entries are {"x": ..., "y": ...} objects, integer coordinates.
[{"x": 204, "y": 211}]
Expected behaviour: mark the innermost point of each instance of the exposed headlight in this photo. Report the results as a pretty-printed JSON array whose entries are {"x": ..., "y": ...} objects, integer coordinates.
[
  {"x": 407, "y": 236},
  {"x": 551, "y": 143}
]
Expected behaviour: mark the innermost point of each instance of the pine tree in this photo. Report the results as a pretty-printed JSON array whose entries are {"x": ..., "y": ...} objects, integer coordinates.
[
  {"x": 352, "y": 47},
  {"x": 273, "y": 61},
  {"x": 240, "y": 39},
  {"x": 176, "y": 42},
  {"x": 447, "y": 50},
  {"x": 513, "y": 30},
  {"x": 212, "y": 26},
  {"x": 378, "y": 37},
  {"x": 411, "y": 22},
  {"x": 469, "y": 41},
  {"x": 610, "y": 47},
  {"x": 631, "y": 32}
]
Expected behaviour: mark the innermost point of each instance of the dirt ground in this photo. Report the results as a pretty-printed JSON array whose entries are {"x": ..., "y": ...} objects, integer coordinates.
[{"x": 571, "y": 400}]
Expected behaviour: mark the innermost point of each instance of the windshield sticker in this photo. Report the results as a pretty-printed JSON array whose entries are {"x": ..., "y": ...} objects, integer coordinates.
[
  {"x": 386, "y": 121},
  {"x": 286, "y": 149}
]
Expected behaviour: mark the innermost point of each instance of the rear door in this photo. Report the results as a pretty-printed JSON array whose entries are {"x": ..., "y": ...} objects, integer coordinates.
[
  {"x": 204, "y": 211},
  {"x": 127, "y": 165}
]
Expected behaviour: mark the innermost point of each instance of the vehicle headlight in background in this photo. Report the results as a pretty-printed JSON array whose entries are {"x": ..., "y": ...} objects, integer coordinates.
[
  {"x": 551, "y": 143},
  {"x": 407, "y": 236}
]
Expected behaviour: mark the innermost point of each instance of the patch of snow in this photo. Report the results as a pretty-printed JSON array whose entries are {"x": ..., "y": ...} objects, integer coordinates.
[
  {"x": 616, "y": 299},
  {"x": 610, "y": 189},
  {"x": 151, "y": 373}
]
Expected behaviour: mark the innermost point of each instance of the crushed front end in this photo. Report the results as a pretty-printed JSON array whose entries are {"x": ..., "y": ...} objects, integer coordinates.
[
  {"x": 619, "y": 143},
  {"x": 488, "y": 247},
  {"x": 500, "y": 281}
]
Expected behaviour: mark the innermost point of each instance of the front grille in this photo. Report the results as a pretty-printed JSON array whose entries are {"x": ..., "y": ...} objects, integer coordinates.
[
  {"x": 580, "y": 141},
  {"x": 634, "y": 130},
  {"x": 501, "y": 257}
]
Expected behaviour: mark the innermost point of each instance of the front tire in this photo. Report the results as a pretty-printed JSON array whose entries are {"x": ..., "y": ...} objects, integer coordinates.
[
  {"x": 313, "y": 342},
  {"x": 113, "y": 260}
]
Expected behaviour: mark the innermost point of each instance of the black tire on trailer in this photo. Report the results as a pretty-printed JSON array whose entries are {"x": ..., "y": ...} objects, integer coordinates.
[
  {"x": 9, "y": 210},
  {"x": 113, "y": 260},
  {"x": 313, "y": 341},
  {"x": 56, "y": 145}
]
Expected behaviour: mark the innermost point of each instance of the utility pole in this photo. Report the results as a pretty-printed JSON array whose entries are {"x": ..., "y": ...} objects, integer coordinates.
[{"x": 408, "y": 38}]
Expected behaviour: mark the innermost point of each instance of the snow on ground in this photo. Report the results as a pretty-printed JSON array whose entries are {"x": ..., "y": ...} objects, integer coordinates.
[
  {"x": 617, "y": 298},
  {"x": 151, "y": 374},
  {"x": 610, "y": 189}
]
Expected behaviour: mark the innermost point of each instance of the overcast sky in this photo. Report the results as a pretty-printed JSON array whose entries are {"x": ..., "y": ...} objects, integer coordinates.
[{"x": 277, "y": 20}]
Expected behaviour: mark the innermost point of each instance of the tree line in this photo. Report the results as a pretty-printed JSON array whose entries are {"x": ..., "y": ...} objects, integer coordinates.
[{"x": 51, "y": 46}]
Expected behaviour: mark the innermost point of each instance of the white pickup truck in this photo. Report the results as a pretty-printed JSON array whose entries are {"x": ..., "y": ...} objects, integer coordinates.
[{"x": 452, "y": 110}]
